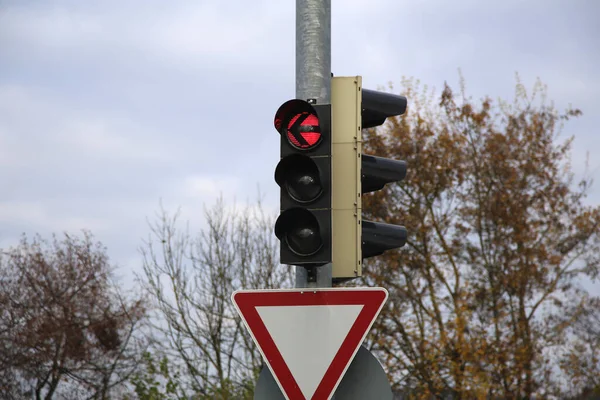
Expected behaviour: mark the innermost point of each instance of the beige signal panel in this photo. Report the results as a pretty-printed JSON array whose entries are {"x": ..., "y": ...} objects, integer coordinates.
[{"x": 346, "y": 204}]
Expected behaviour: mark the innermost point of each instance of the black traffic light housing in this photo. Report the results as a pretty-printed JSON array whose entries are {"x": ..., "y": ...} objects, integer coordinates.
[
  {"x": 379, "y": 171},
  {"x": 378, "y": 106},
  {"x": 304, "y": 176},
  {"x": 376, "y": 172},
  {"x": 322, "y": 175}
]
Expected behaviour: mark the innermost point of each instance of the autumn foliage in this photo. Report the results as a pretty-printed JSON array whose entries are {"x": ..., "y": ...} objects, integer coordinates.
[
  {"x": 486, "y": 296},
  {"x": 487, "y": 299},
  {"x": 65, "y": 332}
]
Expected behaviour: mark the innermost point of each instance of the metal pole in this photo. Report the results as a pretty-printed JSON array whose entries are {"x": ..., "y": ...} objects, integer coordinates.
[
  {"x": 313, "y": 50},
  {"x": 313, "y": 81}
]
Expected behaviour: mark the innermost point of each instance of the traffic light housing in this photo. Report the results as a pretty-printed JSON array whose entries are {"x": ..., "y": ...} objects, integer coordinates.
[
  {"x": 355, "y": 173},
  {"x": 323, "y": 174},
  {"x": 304, "y": 176}
]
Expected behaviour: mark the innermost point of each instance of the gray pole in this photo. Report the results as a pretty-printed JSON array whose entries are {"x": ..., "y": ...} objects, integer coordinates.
[
  {"x": 313, "y": 81},
  {"x": 313, "y": 50}
]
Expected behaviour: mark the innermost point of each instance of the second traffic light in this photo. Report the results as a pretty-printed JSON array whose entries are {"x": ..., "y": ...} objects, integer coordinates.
[{"x": 354, "y": 173}]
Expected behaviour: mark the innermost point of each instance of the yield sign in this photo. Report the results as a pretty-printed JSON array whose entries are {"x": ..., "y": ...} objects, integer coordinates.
[{"x": 308, "y": 337}]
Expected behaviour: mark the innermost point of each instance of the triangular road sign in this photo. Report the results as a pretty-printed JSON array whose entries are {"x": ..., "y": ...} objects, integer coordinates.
[{"x": 308, "y": 337}]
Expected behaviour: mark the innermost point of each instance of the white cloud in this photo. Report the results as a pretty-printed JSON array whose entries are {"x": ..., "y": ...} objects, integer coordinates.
[
  {"x": 39, "y": 215},
  {"x": 36, "y": 128},
  {"x": 18, "y": 211},
  {"x": 183, "y": 33},
  {"x": 203, "y": 186},
  {"x": 107, "y": 107},
  {"x": 113, "y": 139},
  {"x": 56, "y": 27}
]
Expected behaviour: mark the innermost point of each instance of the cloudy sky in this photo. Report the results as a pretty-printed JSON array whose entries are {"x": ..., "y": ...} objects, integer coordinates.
[{"x": 106, "y": 107}]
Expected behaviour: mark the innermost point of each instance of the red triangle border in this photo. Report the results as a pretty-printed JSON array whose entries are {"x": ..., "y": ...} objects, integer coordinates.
[{"x": 247, "y": 300}]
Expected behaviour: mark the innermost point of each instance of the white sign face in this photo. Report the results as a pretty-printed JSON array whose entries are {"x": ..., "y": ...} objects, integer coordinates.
[{"x": 309, "y": 337}]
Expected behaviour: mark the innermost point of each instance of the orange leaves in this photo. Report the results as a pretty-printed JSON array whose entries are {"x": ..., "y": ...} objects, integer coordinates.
[{"x": 494, "y": 223}]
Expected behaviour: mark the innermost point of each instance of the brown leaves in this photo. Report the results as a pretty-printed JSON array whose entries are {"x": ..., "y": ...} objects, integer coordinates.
[
  {"x": 60, "y": 315},
  {"x": 497, "y": 230}
]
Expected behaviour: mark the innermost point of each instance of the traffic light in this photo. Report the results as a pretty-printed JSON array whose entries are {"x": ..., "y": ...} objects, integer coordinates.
[
  {"x": 323, "y": 174},
  {"x": 354, "y": 173},
  {"x": 304, "y": 176}
]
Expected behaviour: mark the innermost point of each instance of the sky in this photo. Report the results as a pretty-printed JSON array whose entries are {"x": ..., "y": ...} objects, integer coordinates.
[{"x": 109, "y": 107}]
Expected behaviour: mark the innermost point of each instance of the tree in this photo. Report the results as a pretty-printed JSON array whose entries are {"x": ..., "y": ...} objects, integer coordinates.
[
  {"x": 581, "y": 362},
  {"x": 65, "y": 330},
  {"x": 190, "y": 280},
  {"x": 486, "y": 293},
  {"x": 157, "y": 380}
]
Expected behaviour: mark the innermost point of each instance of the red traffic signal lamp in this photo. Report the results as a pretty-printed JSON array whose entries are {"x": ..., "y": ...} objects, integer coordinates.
[{"x": 304, "y": 176}]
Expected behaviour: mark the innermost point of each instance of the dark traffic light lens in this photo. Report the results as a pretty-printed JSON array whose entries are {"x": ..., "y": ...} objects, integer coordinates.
[
  {"x": 300, "y": 177},
  {"x": 303, "y": 187},
  {"x": 300, "y": 230},
  {"x": 304, "y": 240}
]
